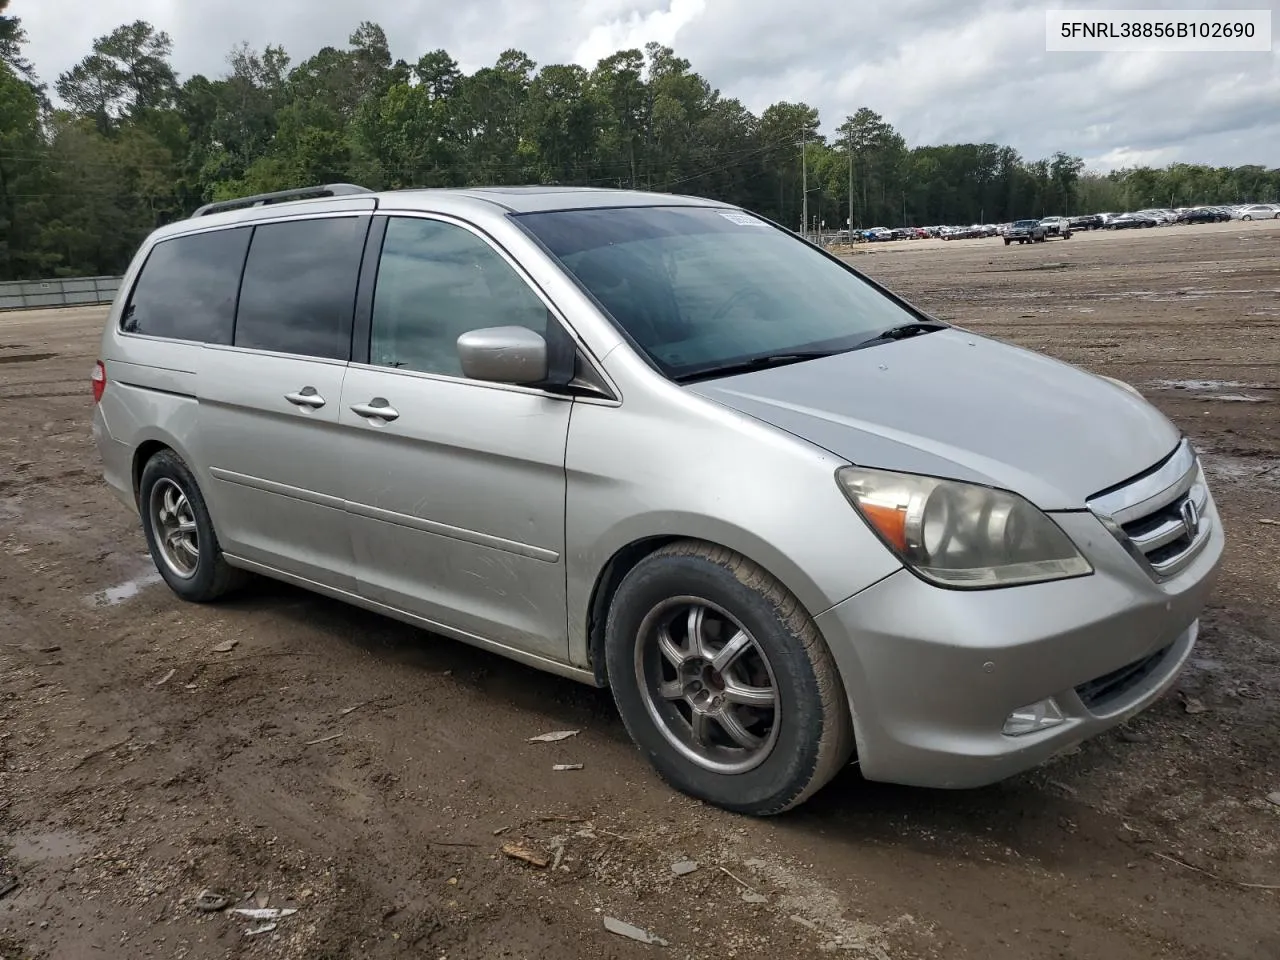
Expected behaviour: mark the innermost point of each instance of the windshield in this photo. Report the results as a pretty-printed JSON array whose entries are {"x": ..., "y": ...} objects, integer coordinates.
[
  {"x": 700, "y": 288},
  {"x": 1026, "y": 223}
]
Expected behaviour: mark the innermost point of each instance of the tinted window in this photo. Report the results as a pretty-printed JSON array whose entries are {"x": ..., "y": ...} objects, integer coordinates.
[
  {"x": 701, "y": 288},
  {"x": 300, "y": 286},
  {"x": 187, "y": 288},
  {"x": 437, "y": 281}
]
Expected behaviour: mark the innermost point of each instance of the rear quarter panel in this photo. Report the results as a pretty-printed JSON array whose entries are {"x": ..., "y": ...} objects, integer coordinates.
[{"x": 150, "y": 393}]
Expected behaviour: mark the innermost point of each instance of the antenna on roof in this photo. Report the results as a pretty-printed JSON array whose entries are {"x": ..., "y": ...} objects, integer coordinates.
[{"x": 282, "y": 196}]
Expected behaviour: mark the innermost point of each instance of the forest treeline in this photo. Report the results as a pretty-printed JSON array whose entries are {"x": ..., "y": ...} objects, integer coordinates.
[{"x": 120, "y": 144}]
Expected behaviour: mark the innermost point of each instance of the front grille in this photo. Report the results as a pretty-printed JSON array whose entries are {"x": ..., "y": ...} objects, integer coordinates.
[
  {"x": 1110, "y": 687},
  {"x": 1161, "y": 518},
  {"x": 1163, "y": 535}
]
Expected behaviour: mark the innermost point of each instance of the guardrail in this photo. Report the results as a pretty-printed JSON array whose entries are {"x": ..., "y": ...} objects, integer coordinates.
[{"x": 61, "y": 292}]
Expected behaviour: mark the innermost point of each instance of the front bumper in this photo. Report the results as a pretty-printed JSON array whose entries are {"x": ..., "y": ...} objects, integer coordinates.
[{"x": 932, "y": 674}]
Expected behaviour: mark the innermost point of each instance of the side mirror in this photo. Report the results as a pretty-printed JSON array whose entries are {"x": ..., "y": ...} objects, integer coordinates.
[{"x": 503, "y": 355}]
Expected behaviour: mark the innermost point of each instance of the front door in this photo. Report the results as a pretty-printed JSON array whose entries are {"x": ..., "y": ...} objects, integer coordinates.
[{"x": 455, "y": 487}]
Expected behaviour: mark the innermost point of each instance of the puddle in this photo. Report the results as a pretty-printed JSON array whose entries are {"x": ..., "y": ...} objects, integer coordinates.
[
  {"x": 1256, "y": 470},
  {"x": 113, "y": 596},
  {"x": 43, "y": 847},
  {"x": 1213, "y": 389},
  {"x": 1198, "y": 384}
]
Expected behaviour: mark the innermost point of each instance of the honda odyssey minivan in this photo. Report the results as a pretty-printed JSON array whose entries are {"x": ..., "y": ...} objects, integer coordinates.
[{"x": 660, "y": 444}]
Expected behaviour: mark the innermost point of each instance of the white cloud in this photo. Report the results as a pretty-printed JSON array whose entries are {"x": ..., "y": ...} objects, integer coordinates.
[{"x": 939, "y": 70}]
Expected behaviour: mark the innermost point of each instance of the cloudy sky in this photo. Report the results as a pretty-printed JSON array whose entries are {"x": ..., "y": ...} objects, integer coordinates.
[{"x": 942, "y": 71}]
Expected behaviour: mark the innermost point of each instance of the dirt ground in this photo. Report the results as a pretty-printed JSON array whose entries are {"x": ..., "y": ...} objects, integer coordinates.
[{"x": 367, "y": 775}]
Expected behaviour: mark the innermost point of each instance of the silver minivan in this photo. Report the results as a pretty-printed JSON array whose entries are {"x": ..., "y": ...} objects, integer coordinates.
[{"x": 660, "y": 444}]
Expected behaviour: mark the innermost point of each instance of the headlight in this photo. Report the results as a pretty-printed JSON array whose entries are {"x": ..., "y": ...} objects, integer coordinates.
[{"x": 960, "y": 534}]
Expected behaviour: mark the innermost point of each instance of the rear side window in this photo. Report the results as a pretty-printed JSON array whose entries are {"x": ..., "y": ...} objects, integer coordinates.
[
  {"x": 299, "y": 287},
  {"x": 187, "y": 288}
]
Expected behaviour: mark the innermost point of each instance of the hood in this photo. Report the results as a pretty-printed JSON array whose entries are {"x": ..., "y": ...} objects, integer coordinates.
[{"x": 952, "y": 404}]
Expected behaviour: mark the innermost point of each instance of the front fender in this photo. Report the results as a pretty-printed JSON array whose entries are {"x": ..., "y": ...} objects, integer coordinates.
[{"x": 712, "y": 474}]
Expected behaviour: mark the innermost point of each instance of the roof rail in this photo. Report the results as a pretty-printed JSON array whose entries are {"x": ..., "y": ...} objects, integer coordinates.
[{"x": 281, "y": 196}]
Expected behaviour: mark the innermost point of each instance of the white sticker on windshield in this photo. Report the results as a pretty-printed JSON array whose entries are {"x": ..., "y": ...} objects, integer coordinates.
[{"x": 741, "y": 219}]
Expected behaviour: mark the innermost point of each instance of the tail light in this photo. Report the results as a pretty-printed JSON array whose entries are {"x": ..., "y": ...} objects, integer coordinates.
[{"x": 99, "y": 379}]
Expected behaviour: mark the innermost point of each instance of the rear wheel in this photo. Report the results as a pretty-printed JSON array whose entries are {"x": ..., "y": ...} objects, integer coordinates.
[
  {"x": 180, "y": 533},
  {"x": 724, "y": 681}
]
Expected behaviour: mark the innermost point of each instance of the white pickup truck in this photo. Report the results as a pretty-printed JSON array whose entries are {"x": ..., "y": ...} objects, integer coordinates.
[{"x": 1056, "y": 227}]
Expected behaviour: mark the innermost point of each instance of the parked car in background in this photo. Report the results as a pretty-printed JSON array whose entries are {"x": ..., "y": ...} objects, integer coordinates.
[
  {"x": 1128, "y": 221},
  {"x": 965, "y": 233},
  {"x": 1203, "y": 215},
  {"x": 1056, "y": 227},
  {"x": 1024, "y": 231},
  {"x": 1092, "y": 221},
  {"x": 515, "y": 417},
  {"x": 1259, "y": 211}
]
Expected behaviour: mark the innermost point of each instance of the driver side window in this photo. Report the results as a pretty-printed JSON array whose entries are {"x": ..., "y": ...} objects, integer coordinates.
[{"x": 437, "y": 281}]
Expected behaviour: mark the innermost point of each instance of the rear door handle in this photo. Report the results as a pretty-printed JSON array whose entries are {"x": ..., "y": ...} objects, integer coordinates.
[
  {"x": 306, "y": 397},
  {"x": 377, "y": 408}
]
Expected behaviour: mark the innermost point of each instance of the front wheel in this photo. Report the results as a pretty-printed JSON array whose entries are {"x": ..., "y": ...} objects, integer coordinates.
[
  {"x": 724, "y": 681},
  {"x": 1246, "y": 217}
]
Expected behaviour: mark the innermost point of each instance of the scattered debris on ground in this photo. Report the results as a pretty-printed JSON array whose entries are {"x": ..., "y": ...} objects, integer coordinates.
[
  {"x": 632, "y": 932},
  {"x": 554, "y": 736},
  {"x": 517, "y": 852}
]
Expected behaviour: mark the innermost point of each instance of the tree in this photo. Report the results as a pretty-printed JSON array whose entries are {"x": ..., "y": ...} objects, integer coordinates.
[
  {"x": 127, "y": 74},
  {"x": 561, "y": 118},
  {"x": 24, "y": 178},
  {"x": 133, "y": 148},
  {"x": 12, "y": 37}
]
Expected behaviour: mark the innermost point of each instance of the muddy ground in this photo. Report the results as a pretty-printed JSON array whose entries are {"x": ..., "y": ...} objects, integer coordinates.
[{"x": 367, "y": 774}]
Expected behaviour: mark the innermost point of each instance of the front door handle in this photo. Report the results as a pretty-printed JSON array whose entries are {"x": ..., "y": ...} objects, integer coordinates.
[
  {"x": 306, "y": 397},
  {"x": 377, "y": 408}
]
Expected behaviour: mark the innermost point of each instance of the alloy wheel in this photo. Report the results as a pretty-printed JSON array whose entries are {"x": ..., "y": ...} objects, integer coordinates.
[
  {"x": 173, "y": 523},
  {"x": 708, "y": 685}
]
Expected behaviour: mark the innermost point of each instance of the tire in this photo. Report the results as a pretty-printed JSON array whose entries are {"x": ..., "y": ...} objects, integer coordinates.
[
  {"x": 1247, "y": 216},
  {"x": 769, "y": 766},
  {"x": 195, "y": 571}
]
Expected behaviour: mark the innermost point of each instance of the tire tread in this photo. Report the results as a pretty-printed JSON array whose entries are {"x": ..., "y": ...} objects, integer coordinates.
[{"x": 837, "y": 740}]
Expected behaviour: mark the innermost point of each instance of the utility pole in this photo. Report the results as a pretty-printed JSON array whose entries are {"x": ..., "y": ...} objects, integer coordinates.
[
  {"x": 851, "y": 183},
  {"x": 804, "y": 185}
]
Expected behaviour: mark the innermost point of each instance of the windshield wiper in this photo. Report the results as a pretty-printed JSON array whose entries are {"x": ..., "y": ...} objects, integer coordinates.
[
  {"x": 904, "y": 330},
  {"x": 755, "y": 363}
]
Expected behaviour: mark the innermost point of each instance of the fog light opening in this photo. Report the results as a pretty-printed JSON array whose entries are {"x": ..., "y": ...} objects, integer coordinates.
[{"x": 1040, "y": 715}]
